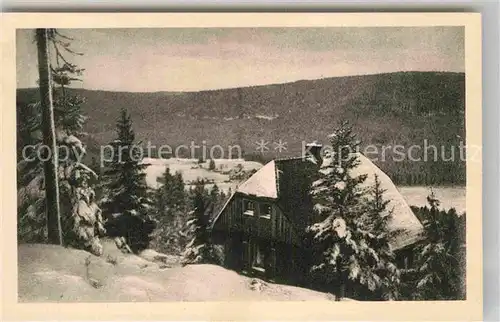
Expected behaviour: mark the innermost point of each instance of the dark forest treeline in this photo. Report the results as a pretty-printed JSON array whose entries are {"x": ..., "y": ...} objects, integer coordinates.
[
  {"x": 444, "y": 177},
  {"x": 404, "y": 173},
  {"x": 440, "y": 261},
  {"x": 403, "y": 108}
]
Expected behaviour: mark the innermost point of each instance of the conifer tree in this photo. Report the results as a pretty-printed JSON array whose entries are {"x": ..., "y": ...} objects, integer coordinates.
[
  {"x": 127, "y": 197},
  {"x": 178, "y": 197},
  {"x": 80, "y": 216},
  {"x": 441, "y": 259},
  {"x": 127, "y": 190},
  {"x": 336, "y": 198},
  {"x": 200, "y": 249},
  {"x": 172, "y": 189},
  {"x": 348, "y": 246},
  {"x": 171, "y": 213},
  {"x": 164, "y": 192},
  {"x": 50, "y": 164},
  {"x": 223, "y": 196},
  {"x": 78, "y": 181},
  {"x": 211, "y": 165},
  {"x": 215, "y": 194},
  {"x": 381, "y": 267},
  {"x": 217, "y": 198}
]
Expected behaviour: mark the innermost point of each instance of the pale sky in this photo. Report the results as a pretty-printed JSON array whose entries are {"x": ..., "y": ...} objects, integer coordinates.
[{"x": 148, "y": 60}]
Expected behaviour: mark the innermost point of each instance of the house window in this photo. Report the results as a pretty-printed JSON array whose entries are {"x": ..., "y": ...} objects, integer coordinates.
[
  {"x": 246, "y": 254},
  {"x": 409, "y": 261},
  {"x": 281, "y": 225},
  {"x": 265, "y": 211},
  {"x": 258, "y": 262},
  {"x": 248, "y": 207},
  {"x": 405, "y": 260}
]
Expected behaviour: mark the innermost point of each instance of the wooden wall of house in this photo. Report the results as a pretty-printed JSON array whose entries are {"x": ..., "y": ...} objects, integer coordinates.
[
  {"x": 276, "y": 228},
  {"x": 284, "y": 262},
  {"x": 239, "y": 232}
]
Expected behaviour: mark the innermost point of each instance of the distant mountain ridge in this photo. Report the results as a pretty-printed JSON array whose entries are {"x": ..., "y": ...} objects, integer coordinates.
[{"x": 403, "y": 108}]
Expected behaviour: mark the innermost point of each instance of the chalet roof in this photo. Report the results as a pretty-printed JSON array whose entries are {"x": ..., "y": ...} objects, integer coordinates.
[
  {"x": 262, "y": 183},
  {"x": 403, "y": 219}
]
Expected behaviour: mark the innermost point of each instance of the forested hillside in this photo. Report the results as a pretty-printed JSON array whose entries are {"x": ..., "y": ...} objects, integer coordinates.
[{"x": 402, "y": 108}]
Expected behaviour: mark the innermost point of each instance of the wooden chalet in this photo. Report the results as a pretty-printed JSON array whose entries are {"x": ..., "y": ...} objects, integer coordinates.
[{"x": 262, "y": 225}]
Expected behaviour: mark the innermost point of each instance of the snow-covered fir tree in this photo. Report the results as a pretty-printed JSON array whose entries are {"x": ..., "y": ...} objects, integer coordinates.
[
  {"x": 211, "y": 165},
  {"x": 215, "y": 194},
  {"x": 81, "y": 218},
  {"x": 200, "y": 248},
  {"x": 217, "y": 198},
  {"x": 349, "y": 233},
  {"x": 171, "y": 214},
  {"x": 441, "y": 258},
  {"x": 381, "y": 274},
  {"x": 171, "y": 191},
  {"x": 127, "y": 202}
]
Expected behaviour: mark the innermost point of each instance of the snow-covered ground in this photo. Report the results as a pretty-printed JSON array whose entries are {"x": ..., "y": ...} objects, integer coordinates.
[
  {"x": 191, "y": 170},
  {"x": 266, "y": 117},
  {"x": 50, "y": 273}
]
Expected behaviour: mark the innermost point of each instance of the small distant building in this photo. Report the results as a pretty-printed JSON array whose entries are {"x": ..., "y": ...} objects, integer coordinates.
[{"x": 262, "y": 225}]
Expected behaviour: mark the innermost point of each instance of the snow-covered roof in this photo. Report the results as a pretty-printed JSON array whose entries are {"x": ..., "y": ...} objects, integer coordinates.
[
  {"x": 262, "y": 183},
  {"x": 403, "y": 218}
]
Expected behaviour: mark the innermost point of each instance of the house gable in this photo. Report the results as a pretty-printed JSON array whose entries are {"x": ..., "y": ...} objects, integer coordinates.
[{"x": 262, "y": 183}]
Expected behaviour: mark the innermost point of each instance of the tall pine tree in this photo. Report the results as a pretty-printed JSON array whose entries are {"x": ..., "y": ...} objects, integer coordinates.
[
  {"x": 171, "y": 214},
  {"x": 127, "y": 201},
  {"x": 172, "y": 189},
  {"x": 200, "y": 249},
  {"x": 211, "y": 165},
  {"x": 441, "y": 259},
  {"x": 80, "y": 216},
  {"x": 382, "y": 273},
  {"x": 215, "y": 194},
  {"x": 348, "y": 245}
]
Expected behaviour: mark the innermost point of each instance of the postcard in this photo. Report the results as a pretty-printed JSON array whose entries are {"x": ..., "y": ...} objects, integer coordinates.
[{"x": 242, "y": 166}]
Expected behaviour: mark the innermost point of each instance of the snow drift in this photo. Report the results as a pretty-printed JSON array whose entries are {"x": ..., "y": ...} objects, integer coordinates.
[{"x": 50, "y": 273}]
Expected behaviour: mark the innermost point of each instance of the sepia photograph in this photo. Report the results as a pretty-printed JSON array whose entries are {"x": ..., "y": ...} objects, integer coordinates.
[{"x": 245, "y": 164}]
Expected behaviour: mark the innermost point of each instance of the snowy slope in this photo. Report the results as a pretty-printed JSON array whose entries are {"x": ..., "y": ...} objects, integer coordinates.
[{"x": 55, "y": 274}]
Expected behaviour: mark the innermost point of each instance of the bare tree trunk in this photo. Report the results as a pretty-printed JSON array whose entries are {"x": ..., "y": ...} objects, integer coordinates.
[
  {"x": 342, "y": 291},
  {"x": 340, "y": 285},
  {"x": 49, "y": 140}
]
